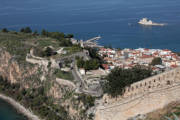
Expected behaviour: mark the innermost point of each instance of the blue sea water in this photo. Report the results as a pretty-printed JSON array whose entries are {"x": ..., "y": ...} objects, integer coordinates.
[
  {"x": 7, "y": 112},
  {"x": 115, "y": 20}
]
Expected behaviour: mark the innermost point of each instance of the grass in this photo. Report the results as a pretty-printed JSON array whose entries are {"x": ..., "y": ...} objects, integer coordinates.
[
  {"x": 72, "y": 50},
  {"x": 64, "y": 75},
  {"x": 44, "y": 42},
  {"x": 19, "y": 44},
  {"x": 15, "y": 44}
]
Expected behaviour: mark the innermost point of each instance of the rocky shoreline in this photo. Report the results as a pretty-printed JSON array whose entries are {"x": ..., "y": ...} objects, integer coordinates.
[{"x": 19, "y": 107}]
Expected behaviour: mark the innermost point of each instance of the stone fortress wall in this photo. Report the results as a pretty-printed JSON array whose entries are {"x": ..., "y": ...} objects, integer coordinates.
[{"x": 142, "y": 97}]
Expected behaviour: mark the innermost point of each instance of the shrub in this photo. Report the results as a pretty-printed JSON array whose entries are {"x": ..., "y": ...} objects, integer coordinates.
[
  {"x": 119, "y": 78},
  {"x": 5, "y": 30},
  {"x": 156, "y": 61}
]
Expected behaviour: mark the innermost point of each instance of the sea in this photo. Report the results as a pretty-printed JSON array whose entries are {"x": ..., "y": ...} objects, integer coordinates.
[
  {"x": 7, "y": 112},
  {"x": 114, "y": 20}
]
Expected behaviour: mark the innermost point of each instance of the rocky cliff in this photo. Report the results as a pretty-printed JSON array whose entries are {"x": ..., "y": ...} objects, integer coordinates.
[{"x": 16, "y": 70}]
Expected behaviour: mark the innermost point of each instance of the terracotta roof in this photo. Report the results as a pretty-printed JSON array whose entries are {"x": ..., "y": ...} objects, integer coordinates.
[
  {"x": 105, "y": 66},
  {"x": 174, "y": 66}
]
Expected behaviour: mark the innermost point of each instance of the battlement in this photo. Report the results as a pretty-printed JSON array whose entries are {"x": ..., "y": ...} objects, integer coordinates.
[
  {"x": 142, "y": 97},
  {"x": 165, "y": 79}
]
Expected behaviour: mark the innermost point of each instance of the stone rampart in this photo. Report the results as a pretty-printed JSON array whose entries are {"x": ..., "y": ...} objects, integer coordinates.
[
  {"x": 142, "y": 97},
  {"x": 66, "y": 83}
]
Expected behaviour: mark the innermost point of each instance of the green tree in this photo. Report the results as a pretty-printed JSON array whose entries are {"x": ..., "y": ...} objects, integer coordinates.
[
  {"x": 35, "y": 32},
  {"x": 88, "y": 64},
  {"x": 80, "y": 62},
  {"x": 48, "y": 52},
  {"x": 22, "y": 30},
  {"x": 65, "y": 42},
  {"x": 156, "y": 61},
  {"x": 44, "y": 32},
  {"x": 27, "y": 30},
  {"x": 69, "y": 36},
  {"x": 175, "y": 117},
  {"x": 5, "y": 30},
  {"x": 119, "y": 78}
]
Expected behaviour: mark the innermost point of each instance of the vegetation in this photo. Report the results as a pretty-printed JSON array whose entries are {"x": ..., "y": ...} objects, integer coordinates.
[
  {"x": 73, "y": 49},
  {"x": 175, "y": 117},
  {"x": 61, "y": 37},
  {"x": 93, "y": 53},
  {"x": 44, "y": 42},
  {"x": 120, "y": 78},
  {"x": 19, "y": 44},
  {"x": 16, "y": 45},
  {"x": 88, "y": 64},
  {"x": 35, "y": 33},
  {"x": 69, "y": 36},
  {"x": 63, "y": 74},
  {"x": 26, "y": 30},
  {"x": 178, "y": 53},
  {"x": 87, "y": 100},
  {"x": 36, "y": 99},
  {"x": 156, "y": 61},
  {"x": 48, "y": 52},
  {"x": 92, "y": 64},
  {"x": 5, "y": 30}
]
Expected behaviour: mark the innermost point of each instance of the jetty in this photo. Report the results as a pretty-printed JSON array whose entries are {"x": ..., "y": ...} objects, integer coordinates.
[{"x": 93, "y": 42}]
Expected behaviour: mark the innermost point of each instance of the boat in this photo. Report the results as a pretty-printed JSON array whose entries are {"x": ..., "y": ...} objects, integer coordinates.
[{"x": 145, "y": 21}]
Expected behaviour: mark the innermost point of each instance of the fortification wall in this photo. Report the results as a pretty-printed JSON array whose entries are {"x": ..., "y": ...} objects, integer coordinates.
[
  {"x": 66, "y": 83},
  {"x": 142, "y": 97}
]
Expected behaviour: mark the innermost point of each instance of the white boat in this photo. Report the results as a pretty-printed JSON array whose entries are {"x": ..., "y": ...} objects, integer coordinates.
[{"x": 145, "y": 21}]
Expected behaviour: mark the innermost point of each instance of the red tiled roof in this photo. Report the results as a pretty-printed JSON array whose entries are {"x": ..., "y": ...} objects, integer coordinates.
[
  {"x": 105, "y": 66},
  {"x": 174, "y": 66}
]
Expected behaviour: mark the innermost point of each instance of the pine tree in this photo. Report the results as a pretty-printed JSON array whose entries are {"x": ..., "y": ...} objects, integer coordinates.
[{"x": 5, "y": 30}]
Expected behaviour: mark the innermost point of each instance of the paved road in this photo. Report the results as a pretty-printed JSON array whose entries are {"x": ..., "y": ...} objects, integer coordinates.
[
  {"x": 80, "y": 82},
  {"x": 77, "y": 78},
  {"x": 81, "y": 85}
]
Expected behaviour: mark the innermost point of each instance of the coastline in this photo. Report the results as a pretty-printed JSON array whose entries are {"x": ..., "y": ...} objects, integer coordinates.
[{"x": 19, "y": 107}]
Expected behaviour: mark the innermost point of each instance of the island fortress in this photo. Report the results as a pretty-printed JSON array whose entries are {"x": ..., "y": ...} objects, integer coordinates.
[
  {"x": 145, "y": 21},
  {"x": 142, "y": 97}
]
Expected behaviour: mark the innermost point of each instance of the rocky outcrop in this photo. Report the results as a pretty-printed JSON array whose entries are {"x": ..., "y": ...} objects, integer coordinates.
[
  {"x": 34, "y": 72},
  {"x": 12, "y": 70}
]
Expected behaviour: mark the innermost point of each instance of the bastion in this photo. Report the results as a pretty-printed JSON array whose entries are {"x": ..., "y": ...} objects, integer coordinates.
[{"x": 142, "y": 97}]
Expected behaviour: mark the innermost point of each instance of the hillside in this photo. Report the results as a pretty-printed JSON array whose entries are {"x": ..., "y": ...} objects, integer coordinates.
[{"x": 35, "y": 85}]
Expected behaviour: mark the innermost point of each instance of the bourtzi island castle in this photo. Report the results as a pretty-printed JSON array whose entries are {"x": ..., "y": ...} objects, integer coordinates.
[{"x": 53, "y": 76}]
